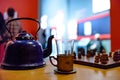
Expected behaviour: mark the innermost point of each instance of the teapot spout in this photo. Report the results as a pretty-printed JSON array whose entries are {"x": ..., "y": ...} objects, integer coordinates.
[{"x": 48, "y": 49}]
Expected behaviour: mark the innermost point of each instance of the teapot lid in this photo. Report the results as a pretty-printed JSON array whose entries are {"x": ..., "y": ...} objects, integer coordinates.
[{"x": 24, "y": 36}]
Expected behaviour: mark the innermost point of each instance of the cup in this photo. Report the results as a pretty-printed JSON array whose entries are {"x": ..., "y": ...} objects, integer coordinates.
[
  {"x": 64, "y": 57},
  {"x": 64, "y": 62}
]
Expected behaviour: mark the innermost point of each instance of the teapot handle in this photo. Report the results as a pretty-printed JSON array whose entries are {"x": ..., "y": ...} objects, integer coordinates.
[{"x": 23, "y": 18}]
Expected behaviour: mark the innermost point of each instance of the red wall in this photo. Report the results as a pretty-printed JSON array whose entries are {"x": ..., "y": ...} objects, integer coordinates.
[
  {"x": 25, "y": 8},
  {"x": 115, "y": 24}
]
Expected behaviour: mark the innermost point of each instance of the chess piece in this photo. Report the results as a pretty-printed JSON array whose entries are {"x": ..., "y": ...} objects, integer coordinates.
[
  {"x": 88, "y": 54},
  {"x": 82, "y": 51},
  {"x": 74, "y": 55},
  {"x": 91, "y": 53},
  {"x": 97, "y": 58},
  {"x": 104, "y": 58},
  {"x": 79, "y": 55},
  {"x": 99, "y": 54},
  {"x": 103, "y": 51},
  {"x": 110, "y": 54},
  {"x": 116, "y": 56}
]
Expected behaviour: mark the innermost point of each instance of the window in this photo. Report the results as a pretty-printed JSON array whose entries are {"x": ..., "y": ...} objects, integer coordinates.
[{"x": 100, "y": 5}]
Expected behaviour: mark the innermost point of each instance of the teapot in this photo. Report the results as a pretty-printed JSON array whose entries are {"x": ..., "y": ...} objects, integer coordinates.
[{"x": 24, "y": 52}]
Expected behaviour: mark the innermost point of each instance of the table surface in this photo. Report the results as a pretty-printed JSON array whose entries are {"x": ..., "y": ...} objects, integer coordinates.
[{"x": 47, "y": 73}]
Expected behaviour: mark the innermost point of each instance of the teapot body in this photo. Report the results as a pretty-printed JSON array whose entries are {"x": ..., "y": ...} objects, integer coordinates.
[{"x": 25, "y": 54}]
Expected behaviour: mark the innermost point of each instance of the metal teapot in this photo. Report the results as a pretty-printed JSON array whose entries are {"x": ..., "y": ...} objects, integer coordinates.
[{"x": 24, "y": 52}]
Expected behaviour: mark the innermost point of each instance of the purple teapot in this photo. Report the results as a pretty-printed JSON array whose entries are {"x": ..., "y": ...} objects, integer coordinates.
[{"x": 25, "y": 52}]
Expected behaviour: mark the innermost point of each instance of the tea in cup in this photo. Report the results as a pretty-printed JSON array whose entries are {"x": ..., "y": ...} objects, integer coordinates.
[{"x": 64, "y": 62}]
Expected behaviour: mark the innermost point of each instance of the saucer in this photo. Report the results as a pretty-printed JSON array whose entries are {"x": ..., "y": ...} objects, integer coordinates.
[{"x": 62, "y": 72}]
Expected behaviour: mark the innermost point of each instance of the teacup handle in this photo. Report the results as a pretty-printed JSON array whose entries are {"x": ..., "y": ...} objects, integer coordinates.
[{"x": 52, "y": 61}]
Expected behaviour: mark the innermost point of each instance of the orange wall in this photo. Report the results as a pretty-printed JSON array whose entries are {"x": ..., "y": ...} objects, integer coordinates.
[
  {"x": 25, "y": 8},
  {"x": 115, "y": 24}
]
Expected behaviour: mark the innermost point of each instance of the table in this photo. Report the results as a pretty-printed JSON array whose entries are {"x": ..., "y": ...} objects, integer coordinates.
[{"x": 47, "y": 73}]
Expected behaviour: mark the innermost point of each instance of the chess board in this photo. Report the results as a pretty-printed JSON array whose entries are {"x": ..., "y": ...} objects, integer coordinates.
[{"x": 90, "y": 62}]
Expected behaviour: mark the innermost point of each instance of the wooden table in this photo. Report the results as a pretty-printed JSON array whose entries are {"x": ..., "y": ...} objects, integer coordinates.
[{"x": 47, "y": 73}]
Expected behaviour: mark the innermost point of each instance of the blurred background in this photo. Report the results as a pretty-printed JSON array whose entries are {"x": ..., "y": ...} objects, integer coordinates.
[{"x": 77, "y": 20}]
